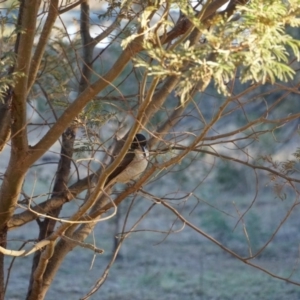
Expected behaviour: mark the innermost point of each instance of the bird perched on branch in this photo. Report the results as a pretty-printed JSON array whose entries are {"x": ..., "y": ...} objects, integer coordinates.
[{"x": 133, "y": 164}]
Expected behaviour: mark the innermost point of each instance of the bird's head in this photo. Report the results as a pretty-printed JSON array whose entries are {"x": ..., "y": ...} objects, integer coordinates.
[{"x": 139, "y": 142}]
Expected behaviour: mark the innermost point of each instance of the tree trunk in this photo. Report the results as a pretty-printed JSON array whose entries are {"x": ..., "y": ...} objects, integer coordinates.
[{"x": 3, "y": 235}]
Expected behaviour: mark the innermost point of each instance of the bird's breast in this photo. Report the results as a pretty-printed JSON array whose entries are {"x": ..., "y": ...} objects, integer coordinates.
[{"x": 135, "y": 169}]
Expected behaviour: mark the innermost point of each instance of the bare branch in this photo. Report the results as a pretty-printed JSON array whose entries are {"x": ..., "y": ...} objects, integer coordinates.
[
  {"x": 244, "y": 260},
  {"x": 41, "y": 46},
  {"x": 70, "y": 7}
]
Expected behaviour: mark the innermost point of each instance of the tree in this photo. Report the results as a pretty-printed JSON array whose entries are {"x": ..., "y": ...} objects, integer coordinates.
[{"x": 189, "y": 77}]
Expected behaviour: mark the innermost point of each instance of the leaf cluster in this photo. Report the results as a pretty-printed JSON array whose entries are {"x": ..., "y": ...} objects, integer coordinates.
[
  {"x": 58, "y": 66},
  {"x": 7, "y": 78},
  {"x": 256, "y": 48}
]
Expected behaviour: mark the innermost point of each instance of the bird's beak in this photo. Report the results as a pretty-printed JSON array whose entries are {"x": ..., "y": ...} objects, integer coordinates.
[{"x": 145, "y": 151}]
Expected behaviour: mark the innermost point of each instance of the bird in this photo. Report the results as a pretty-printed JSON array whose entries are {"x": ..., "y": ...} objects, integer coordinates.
[{"x": 133, "y": 164}]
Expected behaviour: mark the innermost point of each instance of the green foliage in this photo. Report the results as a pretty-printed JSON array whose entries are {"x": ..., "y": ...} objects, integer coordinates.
[
  {"x": 57, "y": 68},
  {"x": 92, "y": 118},
  {"x": 112, "y": 7},
  {"x": 94, "y": 115},
  {"x": 287, "y": 167},
  {"x": 257, "y": 45},
  {"x": 7, "y": 56},
  {"x": 7, "y": 78},
  {"x": 297, "y": 154}
]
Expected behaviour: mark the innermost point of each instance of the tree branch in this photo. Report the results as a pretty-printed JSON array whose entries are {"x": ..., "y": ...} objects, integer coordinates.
[
  {"x": 244, "y": 260},
  {"x": 70, "y": 193},
  {"x": 66, "y": 9},
  {"x": 42, "y": 43},
  {"x": 76, "y": 107},
  {"x": 14, "y": 175}
]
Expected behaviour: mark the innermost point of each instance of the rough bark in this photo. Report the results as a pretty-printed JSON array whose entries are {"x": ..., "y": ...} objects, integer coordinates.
[
  {"x": 5, "y": 118},
  {"x": 3, "y": 235},
  {"x": 17, "y": 167},
  {"x": 63, "y": 171},
  {"x": 67, "y": 149}
]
